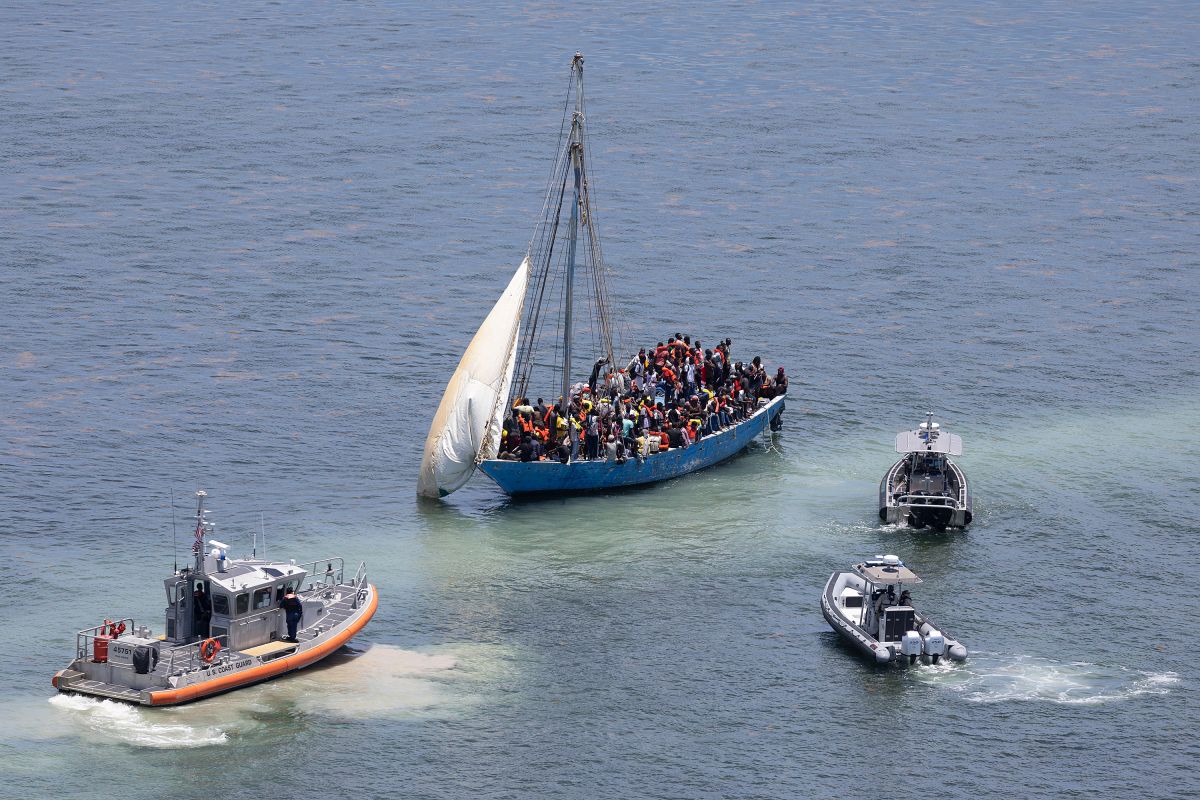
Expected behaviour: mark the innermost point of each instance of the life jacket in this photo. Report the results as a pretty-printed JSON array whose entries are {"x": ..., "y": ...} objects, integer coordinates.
[{"x": 526, "y": 424}]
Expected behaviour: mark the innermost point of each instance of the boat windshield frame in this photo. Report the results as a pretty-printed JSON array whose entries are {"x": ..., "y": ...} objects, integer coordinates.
[
  {"x": 922, "y": 442},
  {"x": 878, "y": 574}
]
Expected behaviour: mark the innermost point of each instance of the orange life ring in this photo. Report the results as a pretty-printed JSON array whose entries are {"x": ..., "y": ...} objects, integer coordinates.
[{"x": 209, "y": 649}]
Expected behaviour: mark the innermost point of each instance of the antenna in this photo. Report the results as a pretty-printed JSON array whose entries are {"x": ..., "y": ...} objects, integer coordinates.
[
  {"x": 174, "y": 544},
  {"x": 198, "y": 544}
]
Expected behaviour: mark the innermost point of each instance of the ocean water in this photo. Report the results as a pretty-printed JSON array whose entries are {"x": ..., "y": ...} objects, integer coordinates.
[{"x": 243, "y": 245}]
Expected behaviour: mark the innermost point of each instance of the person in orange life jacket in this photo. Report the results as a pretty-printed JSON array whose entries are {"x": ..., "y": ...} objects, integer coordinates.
[
  {"x": 658, "y": 414},
  {"x": 666, "y": 384},
  {"x": 727, "y": 410},
  {"x": 293, "y": 612},
  {"x": 768, "y": 387},
  {"x": 664, "y": 441}
]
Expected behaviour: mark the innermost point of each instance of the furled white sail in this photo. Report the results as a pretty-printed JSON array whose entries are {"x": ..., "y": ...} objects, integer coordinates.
[{"x": 467, "y": 424}]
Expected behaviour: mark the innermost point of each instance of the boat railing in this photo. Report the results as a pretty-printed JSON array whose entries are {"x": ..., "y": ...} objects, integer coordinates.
[
  {"x": 331, "y": 574},
  {"x": 359, "y": 583},
  {"x": 187, "y": 657},
  {"x": 926, "y": 500},
  {"x": 962, "y": 484},
  {"x": 86, "y": 636}
]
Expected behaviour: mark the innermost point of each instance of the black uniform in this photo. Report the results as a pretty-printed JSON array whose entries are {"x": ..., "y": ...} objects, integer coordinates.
[
  {"x": 203, "y": 611},
  {"x": 294, "y": 611}
]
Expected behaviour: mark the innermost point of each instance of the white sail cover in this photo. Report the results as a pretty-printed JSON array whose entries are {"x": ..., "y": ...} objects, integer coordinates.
[{"x": 467, "y": 424}]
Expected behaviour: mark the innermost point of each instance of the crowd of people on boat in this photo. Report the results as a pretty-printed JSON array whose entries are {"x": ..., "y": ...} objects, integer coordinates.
[{"x": 666, "y": 397}]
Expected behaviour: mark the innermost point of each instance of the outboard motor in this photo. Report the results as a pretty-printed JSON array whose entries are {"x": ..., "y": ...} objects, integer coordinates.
[
  {"x": 934, "y": 644},
  {"x": 910, "y": 645}
]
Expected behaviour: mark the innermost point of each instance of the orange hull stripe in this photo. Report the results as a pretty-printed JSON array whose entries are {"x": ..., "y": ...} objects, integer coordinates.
[{"x": 279, "y": 666}]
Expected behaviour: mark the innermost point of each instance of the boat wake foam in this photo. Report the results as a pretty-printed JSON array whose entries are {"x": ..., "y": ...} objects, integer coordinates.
[
  {"x": 128, "y": 724},
  {"x": 381, "y": 681},
  {"x": 991, "y": 678}
]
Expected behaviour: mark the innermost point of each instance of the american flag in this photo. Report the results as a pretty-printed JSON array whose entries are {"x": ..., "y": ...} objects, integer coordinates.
[{"x": 198, "y": 545}]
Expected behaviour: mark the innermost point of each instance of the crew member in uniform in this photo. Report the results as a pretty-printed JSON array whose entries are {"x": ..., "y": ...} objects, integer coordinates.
[
  {"x": 203, "y": 610},
  {"x": 293, "y": 610}
]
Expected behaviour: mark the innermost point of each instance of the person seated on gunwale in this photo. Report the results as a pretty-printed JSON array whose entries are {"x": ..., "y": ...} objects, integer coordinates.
[{"x": 676, "y": 437}]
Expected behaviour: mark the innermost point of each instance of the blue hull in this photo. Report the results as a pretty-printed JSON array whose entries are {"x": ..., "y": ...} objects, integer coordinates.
[{"x": 536, "y": 477}]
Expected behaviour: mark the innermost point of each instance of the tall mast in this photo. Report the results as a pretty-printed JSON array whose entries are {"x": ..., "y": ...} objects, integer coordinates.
[
  {"x": 198, "y": 545},
  {"x": 573, "y": 231}
]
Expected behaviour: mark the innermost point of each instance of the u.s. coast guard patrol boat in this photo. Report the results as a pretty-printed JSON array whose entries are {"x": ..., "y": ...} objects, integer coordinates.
[
  {"x": 925, "y": 488},
  {"x": 862, "y": 605},
  {"x": 224, "y": 628}
]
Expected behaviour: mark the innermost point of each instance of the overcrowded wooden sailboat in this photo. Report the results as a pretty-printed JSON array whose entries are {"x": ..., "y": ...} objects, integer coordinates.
[{"x": 691, "y": 408}]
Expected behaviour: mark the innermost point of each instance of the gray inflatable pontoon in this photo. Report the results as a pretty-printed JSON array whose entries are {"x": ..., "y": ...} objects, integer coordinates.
[
  {"x": 863, "y": 607},
  {"x": 925, "y": 488}
]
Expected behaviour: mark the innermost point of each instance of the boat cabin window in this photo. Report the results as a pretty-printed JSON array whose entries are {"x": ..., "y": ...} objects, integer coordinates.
[
  {"x": 284, "y": 588},
  {"x": 243, "y": 602},
  {"x": 262, "y": 598},
  {"x": 220, "y": 604}
]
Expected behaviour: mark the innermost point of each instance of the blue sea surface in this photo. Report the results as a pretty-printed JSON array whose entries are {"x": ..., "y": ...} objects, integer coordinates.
[{"x": 243, "y": 246}]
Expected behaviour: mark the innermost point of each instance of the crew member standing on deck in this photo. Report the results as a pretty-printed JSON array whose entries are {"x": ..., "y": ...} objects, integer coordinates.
[
  {"x": 203, "y": 610},
  {"x": 293, "y": 610}
]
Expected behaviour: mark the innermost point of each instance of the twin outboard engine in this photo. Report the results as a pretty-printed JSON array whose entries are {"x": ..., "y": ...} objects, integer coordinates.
[
  {"x": 934, "y": 644},
  {"x": 910, "y": 645}
]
